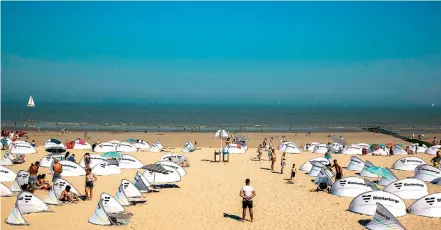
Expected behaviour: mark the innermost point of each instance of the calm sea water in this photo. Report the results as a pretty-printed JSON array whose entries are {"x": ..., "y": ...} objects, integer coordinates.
[{"x": 174, "y": 117}]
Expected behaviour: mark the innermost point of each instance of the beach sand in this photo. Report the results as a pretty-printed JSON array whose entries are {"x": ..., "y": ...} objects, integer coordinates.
[{"x": 208, "y": 197}]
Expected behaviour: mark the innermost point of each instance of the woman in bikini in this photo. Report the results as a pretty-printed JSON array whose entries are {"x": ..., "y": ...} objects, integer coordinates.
[
  {"x": 87, "y": 160},
  {"x": 283, "y": 163},
  {"x": 90, "y": 179}
]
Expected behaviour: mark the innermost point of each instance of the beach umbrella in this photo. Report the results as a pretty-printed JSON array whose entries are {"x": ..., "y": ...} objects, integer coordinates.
[
  {"x": 380, "y": 172},
  {"x": 221, "y": 133},
  {"x": 56, "y": 149},
  {"x": 55, "y": 141},
  {"x": 131, "y": 140},
  {"x": 111, "y": 155}
]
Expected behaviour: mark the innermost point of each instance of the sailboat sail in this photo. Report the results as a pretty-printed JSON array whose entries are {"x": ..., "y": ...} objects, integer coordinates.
[{"x": 31, "y": 102}]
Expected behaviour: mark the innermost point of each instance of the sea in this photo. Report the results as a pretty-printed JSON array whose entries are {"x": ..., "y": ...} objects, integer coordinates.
[{"x": 171, "y": 117}]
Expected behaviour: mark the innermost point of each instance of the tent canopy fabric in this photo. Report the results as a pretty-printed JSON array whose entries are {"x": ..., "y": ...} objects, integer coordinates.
[
  {"x": 155, "y": 168},
  {"x": 55, "y": 141},
  {"x": 111, "y": 155}
]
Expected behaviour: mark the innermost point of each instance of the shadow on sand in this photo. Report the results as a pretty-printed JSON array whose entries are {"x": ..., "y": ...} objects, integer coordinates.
[
  {"x": 364, "y": 222},
  {"x": 166, "y": 186},
  {"x": 265, "y": 168},
  {"x": 231, "y": 216},
  {"x": 206, "y": 160}
]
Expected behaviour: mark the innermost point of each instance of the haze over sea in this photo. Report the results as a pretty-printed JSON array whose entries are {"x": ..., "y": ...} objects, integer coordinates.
[{"x": 284, "y": 66}]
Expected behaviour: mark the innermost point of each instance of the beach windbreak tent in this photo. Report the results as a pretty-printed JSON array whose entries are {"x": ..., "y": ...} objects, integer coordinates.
[
  {"x": 126, "y": 147},
  {"x": 54, "y": 194},
  {"x": 142, "y": 145},
  {"x": 355, "y": 164},
  {"x": 141, "y": 183},
  {"x": 408, "y": 163},
  {"x": 129, "y": 162},
  {"x": 105, "y": 147},
  {"x": 22, "y": 148},
  {"x": 176, "y": 158},
  {"x": 4, "y": 191},
  {"x": 21, "y": 179},
  {"x": 366, "y": 203},
  {"x": 320, "y": 149},
  {"x": 325, "y": 176},
  {"x": 29, "y": 203},
  {"x": 352, "y": 150},
  {"x": 426, "y": 173},
  {"x": 70, "y": 169},
  {"x": 409, "y": 188},
  {"x": 387, "y": 176},
  {"x": 316, "y": 168},
  {"x": 174, "y": 166},
  {"x": 352, "y": 187},
  {"x": 128, "y": 194},
  {"x": 7, "y": 159},
  {"x": 306, "y": 167},
  {"x": 105, "y": 169},
  {"x": 155, "y": 177},
  {"x": 46, "y": 161},
  {"x": 384, "y": 220},
  {"x": 429, "y": 206},
  {"x": 432, "y": 150},
  {"x": 365, "y": 172},
  {"x": 109, "y": 212},
  {"x": 15, "y": 217},
  {"x": 6, "y": 174}
]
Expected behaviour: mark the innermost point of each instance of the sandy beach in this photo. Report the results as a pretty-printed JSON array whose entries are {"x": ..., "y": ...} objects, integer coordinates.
[{"x": 208, "y": 197}]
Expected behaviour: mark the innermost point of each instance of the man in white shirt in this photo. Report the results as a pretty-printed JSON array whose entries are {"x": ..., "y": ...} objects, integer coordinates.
[{"x": 247, "y": 193}]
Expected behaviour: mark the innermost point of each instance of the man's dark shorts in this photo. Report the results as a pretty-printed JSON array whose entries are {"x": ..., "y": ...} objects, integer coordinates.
[{"x": 247, "y": 204}]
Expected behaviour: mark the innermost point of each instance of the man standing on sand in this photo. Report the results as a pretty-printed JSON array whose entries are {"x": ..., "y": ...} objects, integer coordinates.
[
  {"x": 33, "y": 173},
  {"x": 338, "y": 170},
  {"x": 273, "y": 159},
  {"x": 247, "y": 193},
  {"x": 57, "y": 168}
]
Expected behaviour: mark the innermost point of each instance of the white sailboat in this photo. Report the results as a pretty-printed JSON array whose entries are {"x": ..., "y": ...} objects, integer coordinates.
[{"x": 31, "y": 102}]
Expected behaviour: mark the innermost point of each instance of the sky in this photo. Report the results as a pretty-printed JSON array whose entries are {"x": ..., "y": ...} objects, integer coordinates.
[{"x": 289, "y": 52}]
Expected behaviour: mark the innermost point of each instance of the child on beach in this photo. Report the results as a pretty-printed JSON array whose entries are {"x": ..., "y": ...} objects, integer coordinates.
[
  {"x": 293, "y": 171},
  {"x": 283, "y": 163}
]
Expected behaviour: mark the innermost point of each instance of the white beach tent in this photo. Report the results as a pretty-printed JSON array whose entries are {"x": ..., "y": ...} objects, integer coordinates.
[
  {"x": 158, "y": 144},
  {"x": 282, "y": 145},
  {"x": 364, "y": 145},
  {"x": 53, "y": 196},
  {"x": 4, "y": 191},
  {"x": 408, "y": 163},
  {"x": 29, "y": 203},
  {"x": 325, "y": 176},
  {"x": 316, "y": 168},
  {"x": 352, "y": 150},
  {"x": 94, "y": 160},
  {"x": 398, "y": 150},
  {"x": 15, "y": 217},
  {"x": 188, "y": 147},
  {"x": 381, "y": 151},
  {"x": 82, "y": 145},
  {"x": 47, "y": 160},
  {"x": 234, "y": 149},
  {"x": 6, "y": 174},
  {"x": 320, "y": 149},
  {"x": 109, "y": 212},
  {"x": 338, "y": 148},
  {"x": 8, "y": 142},
  {"x": 125, "y": 147},
  {"x": 128, "y": 194},
  {"x": 429, "y": 206},
  {"x": 421, "y": 148},
  {"x": 310, "y": 146},
  {"x": 49, "y": 144},
  {"x": 105, "y": 169},
  {"x": 22, "y": 148},
  {"x": 352, "y": 187},
  {"x": 155, "y": 148},
  {"x": 141, "y": 183},
  {"x": 306, "y": 167},
  {"x": 105, "y": 147},
  {"x": 129, "y": 162},
  {"x": 426, "y": 173},
  {"x": 366, "y": 203},
  {"x": 158, "y": 178},
  {"x": 21, "y": 179},
  {"x": 175, "y": 166},
  {"x": 115, "y": 142},
  {"x": 386, "y": 181},
  {"x": 355, "y": 164},
  {"x": 432, "y": 150},
  {"x": 409, "y": 188},
  {"x": 70, "y": 169},
  {"x": 365, "y": 173},
  {"x": 176, "y": 158},
  {"x": 7, "y": 159},
  {"x": 141, "y": 145},
  {"x": 292, "y": 148},
  {"x": 384, "y": 220}
]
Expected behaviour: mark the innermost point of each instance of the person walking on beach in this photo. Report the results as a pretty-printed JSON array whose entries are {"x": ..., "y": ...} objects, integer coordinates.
[
  {"x": 338, "y": 170},
  {"x": 293, "y": 172},
  {"x": 57, "y": 168},
  {"x": 90, "y": 179},
  {"x": 33, "y": 175},
  {"x": 282, "y": 163},
  {"x": 273, "y": 159},
  {"x": 247, "y": 193}
]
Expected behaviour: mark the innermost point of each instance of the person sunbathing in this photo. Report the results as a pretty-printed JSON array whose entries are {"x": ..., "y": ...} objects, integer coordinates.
[
  {"x": 67, "y": 196},
  {"x": 42, "y": 184}
]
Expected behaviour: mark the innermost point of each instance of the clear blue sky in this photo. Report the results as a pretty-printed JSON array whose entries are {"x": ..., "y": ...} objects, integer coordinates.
[{"x": 301, "y": 52}]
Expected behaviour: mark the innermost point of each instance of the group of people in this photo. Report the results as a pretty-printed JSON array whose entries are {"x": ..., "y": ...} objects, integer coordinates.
[{"x": 38, "y": 181}]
